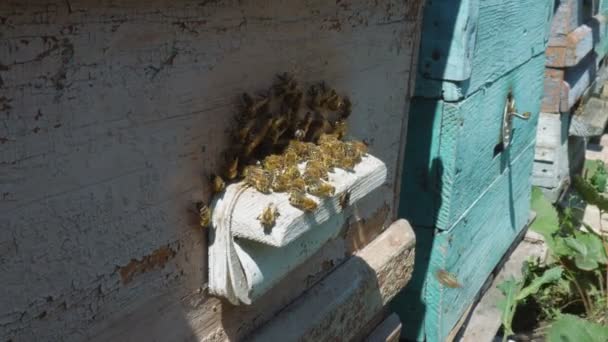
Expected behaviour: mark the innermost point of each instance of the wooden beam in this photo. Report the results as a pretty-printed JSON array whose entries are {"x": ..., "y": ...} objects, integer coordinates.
[
  {"x": 349, "y": 297},
  {"x": 387, "y": 331},
  {"x": 578, "y": 44},
  {"x": 592, "y": 120}
]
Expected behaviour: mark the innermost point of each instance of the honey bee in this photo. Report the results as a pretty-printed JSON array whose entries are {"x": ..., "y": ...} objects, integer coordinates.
[
  {"x": 281, "y": 182},
  {"x": 346, "y": 108},
  {"x": 232, "y": 169},
  {"x": 243, "y": 132},
  {"x": 204, "y": 214},
  {"x": 217, "y": 184},
  {"x": 328, "y": 139},
  {"x": 301, "y": 149},
  {"x": 321, "y": 189},
  {"x": 447, "y": 279},
  {"x": 269, "y": 216},
  {"x": 360, "y": 146},
  {"x": 299, "y": 200},
  {"x": 286, "y": 84},
  {"x": 352, "y": 151},
  {"x": 257, "y": 137},
  {"x": 292, "y": 172},
  {"x": 340, "y": 129},
  {"x": 334, "y": 102},
  {"x": 290, "y": 158},
  {"x": 344, "y": 200},
  {"x": 297, "y": 184},
  {"x": 347, "y": 163},
  {"x": 315, "y": 95},
  {"x": 329, "y": 162},
  {"x": 254, "y": 107},
  {"x": 315, "y": 170},
  {"x": 258, "y": 178},
  {"x": 318, "y": 127},
  {"x": 273, "y": 162},
  {"x": 279, "y": 126},
  {"x": 303, "y": 127},
  {"x": 294, "y": 101}
]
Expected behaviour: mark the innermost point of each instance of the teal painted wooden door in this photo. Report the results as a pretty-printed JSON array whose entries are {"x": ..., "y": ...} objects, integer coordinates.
[{"x": 466, "y": 194}]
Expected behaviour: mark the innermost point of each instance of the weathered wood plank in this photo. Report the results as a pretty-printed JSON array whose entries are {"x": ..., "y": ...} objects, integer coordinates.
[
  {"x": 592, "y": 120},
  {"x": 486, "y": 317},
  {"x": 387, "y": 331},
  {"x": 568, "y": 16},
  {"x": 198, "y": 317},
  {"x": 551, "y": 167},
  {"x": 473, "y": 247},
  {"x": 578, "y": 44},
  {"x": 338, "y": 306},
  {"x": 564, "y": 87},
  {"x": 503, "y": 41},
  {"x": 113, "y": 113},
  {"x": 464, "y": 156}
]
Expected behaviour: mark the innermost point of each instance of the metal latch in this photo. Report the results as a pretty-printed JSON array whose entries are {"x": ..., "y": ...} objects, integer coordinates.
[{"x": 507, "y": 120}]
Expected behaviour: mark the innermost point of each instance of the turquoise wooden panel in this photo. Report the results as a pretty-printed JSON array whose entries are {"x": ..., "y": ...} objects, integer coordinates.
[
  {"x": 470, "y": 251},
  {"x": 449, "y": 31},
  {"x": 603, "y": 7},
  {"x": 475, "y": 245},
  {"x": 509, "y": 33},
  {"x": 462, "y": 158}
]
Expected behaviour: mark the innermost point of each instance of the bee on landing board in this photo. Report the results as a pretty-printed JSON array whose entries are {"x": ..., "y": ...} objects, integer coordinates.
[
  {"x": 269, "y": 215},
  {"x": 299, "y": 200}
]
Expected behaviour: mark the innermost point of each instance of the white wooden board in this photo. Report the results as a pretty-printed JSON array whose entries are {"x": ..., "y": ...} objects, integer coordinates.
[
  {"x": 292, "y": 222},
  {"x": 242, "y": 267}
]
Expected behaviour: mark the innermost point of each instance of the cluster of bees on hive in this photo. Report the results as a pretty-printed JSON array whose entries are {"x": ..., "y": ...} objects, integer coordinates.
[{"x": 288, "y": 140}]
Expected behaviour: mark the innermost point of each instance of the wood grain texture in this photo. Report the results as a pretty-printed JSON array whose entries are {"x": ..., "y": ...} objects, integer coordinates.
[
  {"x": 292, "y": 222},
  {"x": 569, "y": 15},
  {"x": 340, "y": 305},
  {"x": 114, "y": 112},
  {"x": 473, "y": 247},
  {"x": 551, "y": 166},
  {"x": 565, "y": 87},
  {"x": 465, "y": 146},
  {"x": 504, "y": 40},
  {"x": 387, "y": 331},
  {"x": 578, "y": 44},
  {"x": 592, "y": 121}
]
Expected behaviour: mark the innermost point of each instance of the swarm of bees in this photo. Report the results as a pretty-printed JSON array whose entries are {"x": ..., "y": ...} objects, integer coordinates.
[{"x": 288, "y": 140}]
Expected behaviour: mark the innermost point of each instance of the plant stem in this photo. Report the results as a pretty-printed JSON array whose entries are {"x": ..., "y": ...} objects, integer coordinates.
[
  {"x": 605, "y": 244},
  {"x": 578, "y": 288}
]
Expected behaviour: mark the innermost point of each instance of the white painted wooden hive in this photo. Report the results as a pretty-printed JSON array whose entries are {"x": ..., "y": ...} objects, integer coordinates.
[{"x": 242, "y": 269}]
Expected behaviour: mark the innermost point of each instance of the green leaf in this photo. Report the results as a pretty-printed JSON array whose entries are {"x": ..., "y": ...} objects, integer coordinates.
[
  {"x": 547, "y": 219},
  {"x": 550, "y": 275},
  {"x": 569, "y": 328},
  {"x": 587, "y": 250},
  {"x": 589, "y": 194},
  {"x": 507, "y": 305}
]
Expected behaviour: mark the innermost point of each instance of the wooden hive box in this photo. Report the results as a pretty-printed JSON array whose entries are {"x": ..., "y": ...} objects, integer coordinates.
[
  {"x": 114, "y": 113},
  {"x": 466, "y": 193},
  {"x": 576, "y": 51}
]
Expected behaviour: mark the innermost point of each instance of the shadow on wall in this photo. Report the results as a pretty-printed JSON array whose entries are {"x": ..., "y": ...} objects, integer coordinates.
[{"x": 423, "y": 168}]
